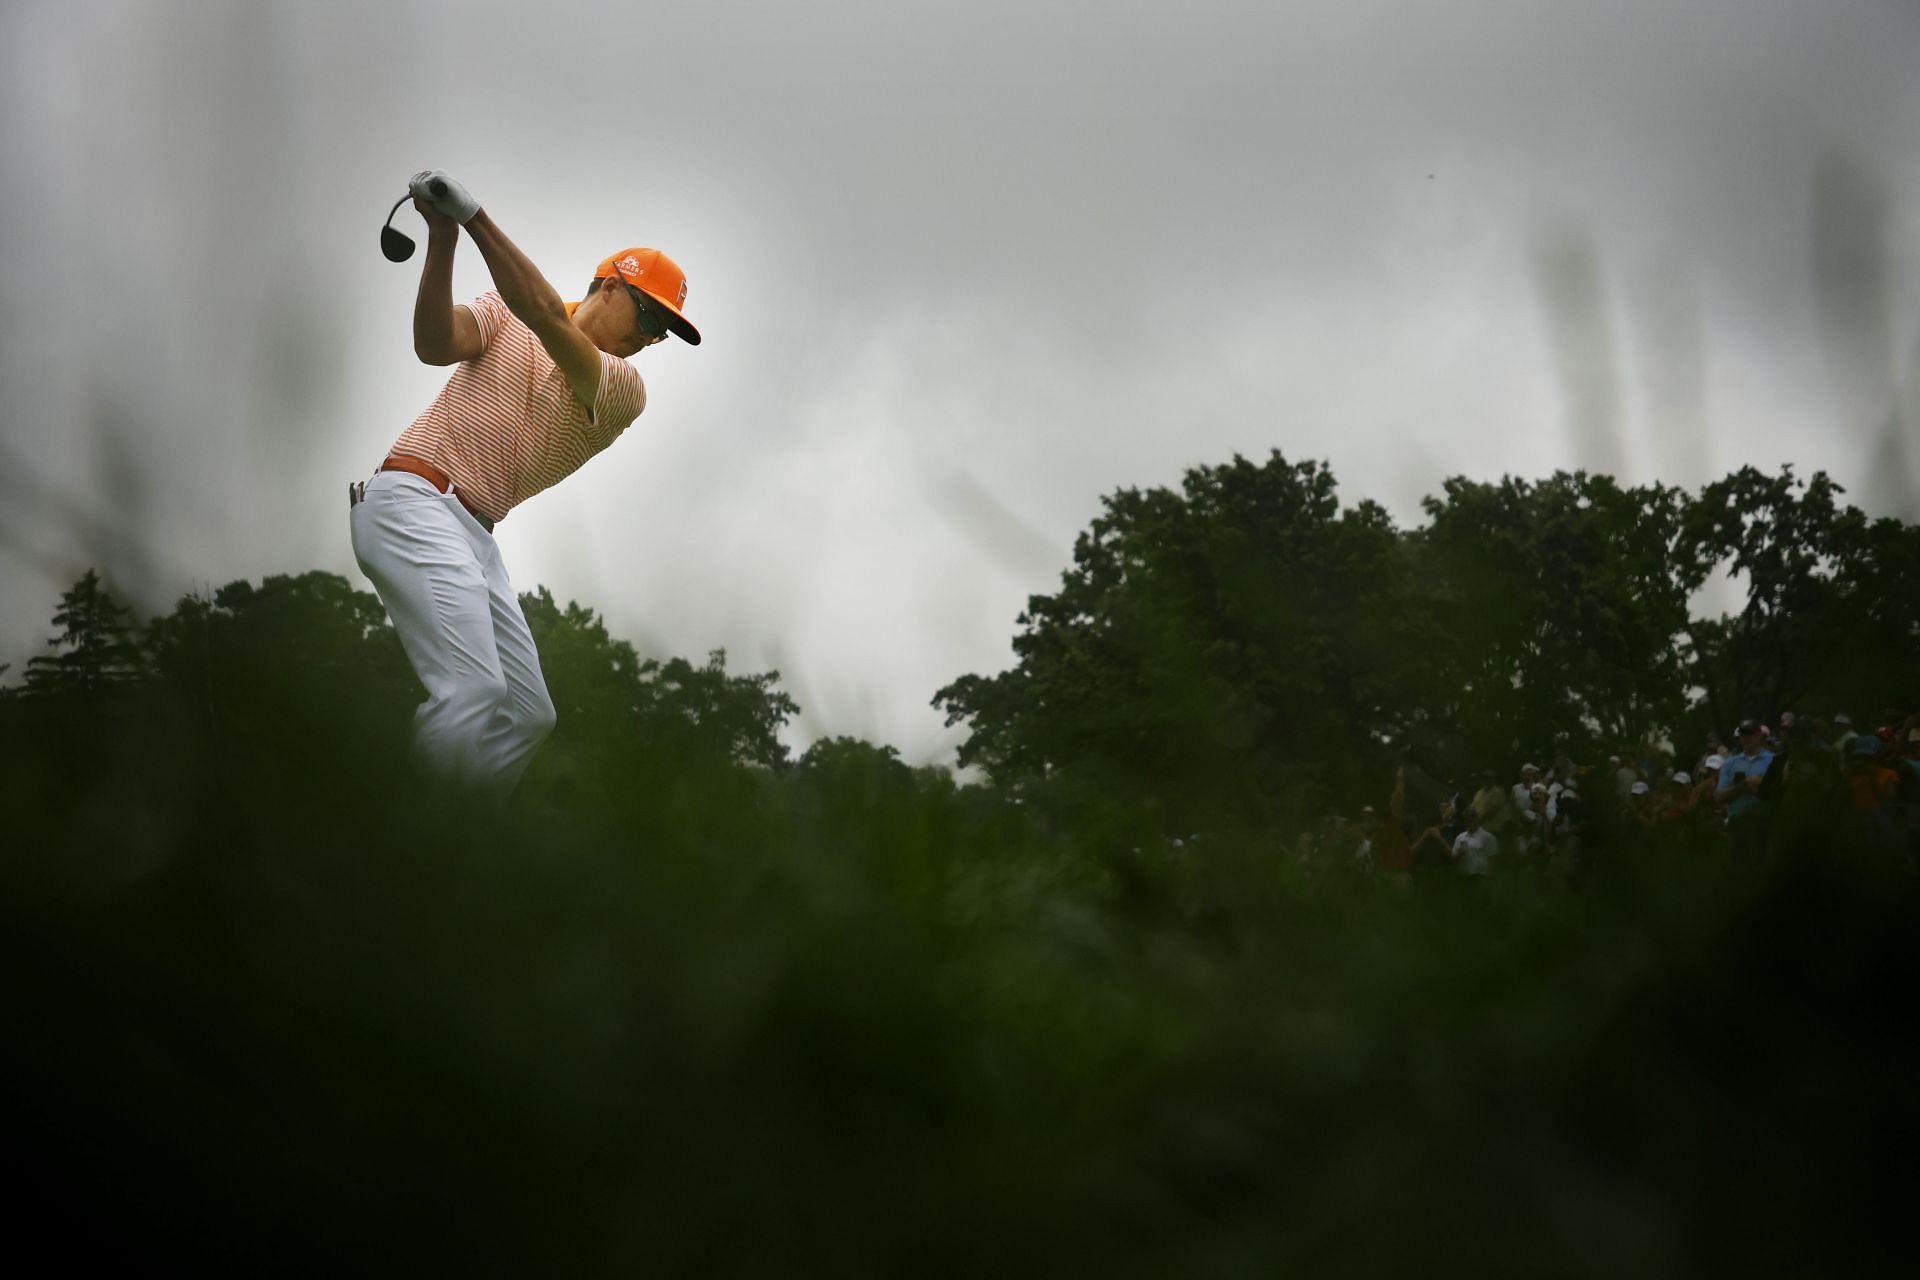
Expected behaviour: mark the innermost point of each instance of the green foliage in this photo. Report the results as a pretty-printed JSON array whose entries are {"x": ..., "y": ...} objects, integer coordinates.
[
  {"x": 308, "y": 644},
  {"x": 1247, "y": 651},
  {"x": 1830, "y": 617},
  {"x": 94, "y": 650},
  {"x": 1566, "y": 606},
  {"x": 847, "y": 1019},
  {"x": 1234, "y": 648},
  {"x": 604, "y": 691}
]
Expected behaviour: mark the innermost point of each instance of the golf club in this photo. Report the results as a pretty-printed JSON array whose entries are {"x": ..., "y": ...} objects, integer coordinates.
[{"x": 396, "y": 244}]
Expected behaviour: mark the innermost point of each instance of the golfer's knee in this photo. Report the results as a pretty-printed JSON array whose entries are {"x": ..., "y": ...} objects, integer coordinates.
[
  {"x": 469, "y": 705},
  {"x": 538, "y": 718}
]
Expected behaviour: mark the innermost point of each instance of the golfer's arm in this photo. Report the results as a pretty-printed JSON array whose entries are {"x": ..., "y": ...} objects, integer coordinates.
[
  {"x": 536, "y": 305},
  {"x": 442, "y": 334}
]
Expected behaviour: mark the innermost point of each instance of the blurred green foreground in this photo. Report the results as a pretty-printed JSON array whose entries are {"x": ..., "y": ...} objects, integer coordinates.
[{"x": 274, "y": 1007}]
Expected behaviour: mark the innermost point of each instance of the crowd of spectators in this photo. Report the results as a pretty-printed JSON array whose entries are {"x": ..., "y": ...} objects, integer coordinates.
[{"x": 1856, "y": 784}]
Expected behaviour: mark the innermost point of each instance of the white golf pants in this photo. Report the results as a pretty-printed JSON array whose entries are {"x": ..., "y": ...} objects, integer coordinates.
[{"x": 440, "y": 575}]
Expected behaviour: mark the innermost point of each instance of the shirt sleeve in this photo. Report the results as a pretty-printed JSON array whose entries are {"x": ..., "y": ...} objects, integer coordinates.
[
  {"x": 490, "y": 313},
  {"x": 621, "y": 397}
]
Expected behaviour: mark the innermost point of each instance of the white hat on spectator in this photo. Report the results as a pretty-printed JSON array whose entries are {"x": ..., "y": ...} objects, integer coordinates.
[
  {"x": 1684, "y": 778},
  {"x": 1529, "y": 768},
  {"x": 1713, "y": 761},
  {"x": 1539, "y": 789},
  {"x": 1640, "y": 788},
  {"x": 1843, "y": 718}
]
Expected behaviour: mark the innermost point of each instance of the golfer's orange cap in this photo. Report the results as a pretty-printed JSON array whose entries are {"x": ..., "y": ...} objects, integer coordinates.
[{"x": 660, "y": 278}]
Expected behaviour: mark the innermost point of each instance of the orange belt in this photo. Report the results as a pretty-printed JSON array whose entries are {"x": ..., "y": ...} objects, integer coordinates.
[{"x": 435, "y": 477}]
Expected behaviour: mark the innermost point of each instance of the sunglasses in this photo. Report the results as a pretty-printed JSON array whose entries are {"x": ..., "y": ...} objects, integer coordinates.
[{"x": 645, "y": 317}]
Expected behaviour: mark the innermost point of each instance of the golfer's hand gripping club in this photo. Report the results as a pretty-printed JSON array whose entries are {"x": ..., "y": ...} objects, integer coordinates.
[{"x": 444, "y": 194}]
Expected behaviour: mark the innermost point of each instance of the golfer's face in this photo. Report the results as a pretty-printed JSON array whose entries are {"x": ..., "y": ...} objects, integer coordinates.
[{"x": 649, "y": 323}]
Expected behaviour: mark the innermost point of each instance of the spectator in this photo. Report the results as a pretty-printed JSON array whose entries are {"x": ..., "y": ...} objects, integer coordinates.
[
  {"x": 1708, "y": 782},
  {"x": 1844, "y": 735},
  {"x": 1564, "y": 772},
  {"x": 1873, "y": 793},
  {"x": 1523, "y": 789},
  {"x": 1677, "y": 809},
  {"x": 1907, "y": 765},
  {"x": 1434, "y": 848},
  {"x": 1532, "y": 827},
  {"x": 1567, "y": 831},
  {"x": 1625, "y": 776},
  {"x": 1871, "y": 786},
  {"x": 1391, "y": 850},
  {"x": 1739, "y": 791},
  {"x": 1474, "y": 848},
  {"x": 1640, "y": 804},
  {"x": 1335, "y": 841},
  {"x": 1490, "y": 802}
]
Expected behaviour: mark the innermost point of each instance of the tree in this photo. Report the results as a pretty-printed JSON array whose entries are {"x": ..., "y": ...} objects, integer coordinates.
[
  {"x": 1830, "y": 618},
  {"x": 1239, "y": 648},
  {"x": 705, "y": 709},
  {"x": 309, "y": 647},
  {"x": 606, "y": 694},
  {"x": 845, "y": 765},
  {"x": 1566, "y": 608},
  {"x": 96, "y": 636}
]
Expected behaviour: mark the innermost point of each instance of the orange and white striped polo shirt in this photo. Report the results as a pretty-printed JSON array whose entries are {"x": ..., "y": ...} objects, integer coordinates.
[{"x": 507, "y": 425}]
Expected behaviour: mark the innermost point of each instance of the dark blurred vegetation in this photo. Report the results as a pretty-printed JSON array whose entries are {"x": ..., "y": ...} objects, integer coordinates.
[
  {"x": 1248, "y": 647},
  {"x": 689, "y": 1006}
]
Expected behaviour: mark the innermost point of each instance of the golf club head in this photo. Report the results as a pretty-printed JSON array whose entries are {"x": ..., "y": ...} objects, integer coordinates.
[{"x": 397, "y": 245}]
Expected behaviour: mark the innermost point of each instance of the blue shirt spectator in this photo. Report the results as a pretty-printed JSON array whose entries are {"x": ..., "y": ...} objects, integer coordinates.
[{"x": 1741, "y": 772}]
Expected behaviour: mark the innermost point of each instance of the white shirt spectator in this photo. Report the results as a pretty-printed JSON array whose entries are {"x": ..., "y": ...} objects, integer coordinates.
[
  {"x": 1475, "y": 849},
  {"x": 1533, "y": 827}
]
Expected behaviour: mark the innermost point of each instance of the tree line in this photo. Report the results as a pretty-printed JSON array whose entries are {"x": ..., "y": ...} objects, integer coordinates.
[
  {"x": 1247, "y": 647},
  {"x": 1243, "y": 648}
]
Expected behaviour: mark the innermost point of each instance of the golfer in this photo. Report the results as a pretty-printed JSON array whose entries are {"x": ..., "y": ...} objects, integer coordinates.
[{"x": 539, "y": 386}]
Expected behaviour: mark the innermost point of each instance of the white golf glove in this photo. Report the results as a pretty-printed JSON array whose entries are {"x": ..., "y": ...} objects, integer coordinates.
[{"x": 444, "y": 194}]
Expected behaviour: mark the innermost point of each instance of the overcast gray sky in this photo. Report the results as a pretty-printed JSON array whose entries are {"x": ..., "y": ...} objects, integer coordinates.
[{"x": 961, "y": 269}]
